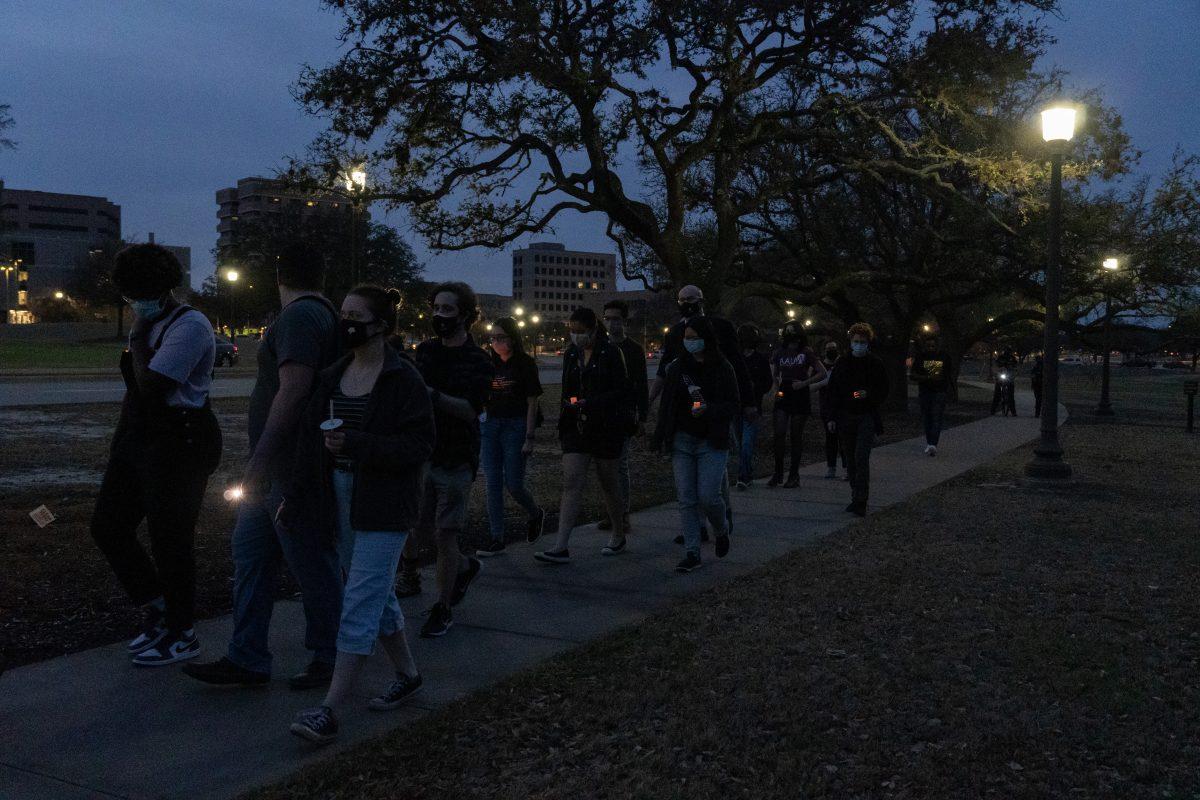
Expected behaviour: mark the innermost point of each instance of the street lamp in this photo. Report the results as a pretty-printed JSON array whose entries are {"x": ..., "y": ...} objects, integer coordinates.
[
  {"x": 232, "y": 276},
  {"x": 519, "y": 311},
  {"x": 8, "y": 269},
  {"x": 355, "y": 180},
  {"x": 535, "y": 320},
  {"x": 1058, "y": 128},
  {"x": 791, "y": 312},
  {"x": 808, "y": 323},
  {"x": 59, "y": 295},
  {"x": 1110, "y": 265}
]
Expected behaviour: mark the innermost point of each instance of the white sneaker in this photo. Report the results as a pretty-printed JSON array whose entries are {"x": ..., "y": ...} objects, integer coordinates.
[
  {"x": 173, "y": 648},
  {"x": 931, "y": 450}
]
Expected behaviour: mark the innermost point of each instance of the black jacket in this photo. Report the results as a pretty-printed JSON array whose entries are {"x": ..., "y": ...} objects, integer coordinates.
[
  {"x": 728, "y": 341},
  {"x": 854, "y": 373},
  {"x": 604, "y": 383},
  {"x": 639, "y": 382},
  {"x": 389, "y": 452},
  {"x": 721, "y": 399},
  {"x": 465, "y": 372}
]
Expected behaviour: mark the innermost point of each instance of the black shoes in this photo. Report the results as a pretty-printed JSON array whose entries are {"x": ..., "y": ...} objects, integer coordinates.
[
  {"x": 858, "y": 508},
  {"x": 722, "y": 546},
  {"x": 439, "y": 622},
  {"x": 225, "y": 673},
  {"x": 537, "y": 524},
  {"x": 554, "y": 556},
  {"x": 316, "y": 675},
  {"x": 153, "y": 632},
  {"x": 776, "y": 479},
  {"x": 404, "y": 687},
  {"x": 408, "y": 582},
  {"x": 316, "y": 724},
  {"x": 474, "y": 565},
  {"x": 615, "y": 546},
  {"x": 690, "y": 563},
  {"x": 792, "y": 482},
  {"x": 492, "y": 548}
]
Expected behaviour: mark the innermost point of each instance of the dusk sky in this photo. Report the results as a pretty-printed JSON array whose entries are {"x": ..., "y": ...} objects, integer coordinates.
[{"x": 157, "y": 105}]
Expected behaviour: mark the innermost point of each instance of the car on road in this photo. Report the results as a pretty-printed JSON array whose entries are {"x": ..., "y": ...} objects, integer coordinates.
[
  {"x": 1071, "y": 360},
  {"x": 1172, "y": 365},
  {"x": 227, "y": 352}
]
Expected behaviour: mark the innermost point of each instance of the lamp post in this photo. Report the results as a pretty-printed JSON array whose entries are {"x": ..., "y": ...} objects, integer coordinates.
[
  {"x": 1058, "y": 128},
  {"x": 8, "y": 269},
  {"x": 232, "y": 276},
  {"x": 356, "y": 185},
  {"x": 1104, "y": 408},
  {"x": 535, "y": 320}
]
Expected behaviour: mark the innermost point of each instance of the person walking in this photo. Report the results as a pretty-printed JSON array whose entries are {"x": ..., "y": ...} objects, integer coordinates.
[
  {"x": 1003, "y": 396},
  {"x": 699, "y": 401},
  {"x": 1035, "y": 380},
  {"x": 592, "y": 425},
  {"x": 858, "y": 389},
  {"x": 761, "y": 381},
  {"x": 459, "y": 376},
  {"x": 825, "y": 406},
  {"x": 795, "y": 368},
  {"x": 166, "y": 445},
  {"x": 931, "y": 372},
  {"x": 366, "y": 435},
  {"x": 302, "y": 341},
  {"x": 616, "y": 320},
  {"x": 508, "y": 432}
]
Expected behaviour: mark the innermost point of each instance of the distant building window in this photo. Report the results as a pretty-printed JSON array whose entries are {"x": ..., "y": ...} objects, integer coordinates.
[
  {"x": 45, "y": 226},
  {"x": 58, "y": 210}
]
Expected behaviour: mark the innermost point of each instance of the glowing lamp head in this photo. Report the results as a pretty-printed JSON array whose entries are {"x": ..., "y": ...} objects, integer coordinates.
[
  {"x": 356, "y": 179},
  {"x": 234, "y": 494},
  {"x": 1003, "y": 376},
  {"x": 791, "y": 313},
  {"x": 521, "y": 323},
  {"x": 808, "y": 323},
  {"x": 535, "y": 319},
  {"x": 1058, "y": 124},
  {"x": 232, "y": 275},
  {"x": 519, "y": 311},
  {"x": 1111, "y": 264},
  {"x": 59, "y": 295}
]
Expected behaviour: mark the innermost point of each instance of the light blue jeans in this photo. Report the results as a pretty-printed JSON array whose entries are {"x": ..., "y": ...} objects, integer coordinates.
[
  {"x": 699, "y": 473},
  {"x": 369, "y": 606},
  {"x": 747, "y": 435},
  {"x": 501, "y": 440}
]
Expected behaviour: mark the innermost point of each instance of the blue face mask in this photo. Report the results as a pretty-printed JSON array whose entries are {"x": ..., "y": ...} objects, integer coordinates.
[
  {"x": 694, "y": 346},
  {"x": 146, "y": 309},
  {"x": 859, "y": 348}
]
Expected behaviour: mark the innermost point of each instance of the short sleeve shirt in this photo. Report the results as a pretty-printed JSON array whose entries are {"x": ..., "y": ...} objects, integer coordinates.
[
  {"x": 185, "y": 356},
  {"x": 513, "y": 383},
  {"x": 794, "y": 366}
]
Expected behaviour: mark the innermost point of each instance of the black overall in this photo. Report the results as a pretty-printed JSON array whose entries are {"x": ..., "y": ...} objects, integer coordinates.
[{"x": 158, "y": 469}]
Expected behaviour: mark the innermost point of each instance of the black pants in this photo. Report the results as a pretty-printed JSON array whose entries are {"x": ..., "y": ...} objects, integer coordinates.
[
  {"x": 1037, "y": 399},
  {"x": 159, "y": 477},
  {"x": 787, "y": 423},
  {"x": 1004, "y": 398},
  {"x": 857, "y": 435},
  {"x": 832, "y": 448}
]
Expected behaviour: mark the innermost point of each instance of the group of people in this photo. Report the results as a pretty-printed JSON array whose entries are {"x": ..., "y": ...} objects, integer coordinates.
[{"x": 359, "y": 450}]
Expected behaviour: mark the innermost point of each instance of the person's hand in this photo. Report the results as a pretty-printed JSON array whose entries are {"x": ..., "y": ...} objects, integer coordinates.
[
  {"x": 831, "y": 426},
  {"x": 335, "y": 441},
  {"x": 698, "y": 409},
  {"x": 527, "y": 448}
]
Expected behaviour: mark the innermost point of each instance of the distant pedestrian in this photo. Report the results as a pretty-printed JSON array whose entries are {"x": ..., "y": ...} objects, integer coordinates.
[
  {"x": 508, "y": 432},
  {"x": 825, "y": 402},
  {"x": 796, "y": 368},
  {"x": 699, "y": 401},
  {"x": 1003, "y": 394},
  {"x": 761, "y": 381},
  {"x": 1035, "y": 380},
  {"x": 858, "y": 389},
  {"x": 166, "y": 445},
  {"x": 931, "y": 372},
  {"x": 361, "y": 482},
  {"x": 592, "y": 428},
  {"x": 459, "y": 376},
  {"x": 302, "y": 341},
  {"x": 616, "y": 320}
]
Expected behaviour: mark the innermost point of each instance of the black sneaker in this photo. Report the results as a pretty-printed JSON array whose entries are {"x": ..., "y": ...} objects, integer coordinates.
[
  {"x": 859, "y": 509},
  {"x": 474, "y": 565},
  {"x": 554, "y": 556},
  {"x": 775, "y": 480},
  {"x": 613, "y": 547},
  {"x": 537, "y": 524},
  {"x": 408, "y": 582},
  {"x": 492, "y": 548},
  {"x": 722, "y": 546},
  {"x": 315, "y": 675},
  {"x": 401, "y": 689},
  {"x": 604, "y": 525},
  {"x": 172, "y": 648},
  {"x": 743, "y": 485},
  {"x": 792, "y": 482},
  {"x": 439, "y": 622},
  {"x": 225, "y": 673},
  {"x": 316, "y": 725},
  {"x": 152, "y": 633},
  {"x": 852, "y": 506},
  {"x": 690, "y": 563}
]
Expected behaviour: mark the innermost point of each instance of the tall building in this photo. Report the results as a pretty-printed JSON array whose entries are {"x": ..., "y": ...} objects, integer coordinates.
[
  {"x": 552, "y": 281},
  {"x": 255, "y": 199},
  {"x": 45, "y": 237}
]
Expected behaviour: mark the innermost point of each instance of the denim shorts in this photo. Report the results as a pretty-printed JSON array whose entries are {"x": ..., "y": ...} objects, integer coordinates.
[
  {"x": 446, "y": 498},
  {"x": 369, "y": 605}
]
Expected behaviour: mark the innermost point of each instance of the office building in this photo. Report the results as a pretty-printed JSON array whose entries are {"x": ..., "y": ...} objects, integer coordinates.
[{"x": 256, "y": 199}]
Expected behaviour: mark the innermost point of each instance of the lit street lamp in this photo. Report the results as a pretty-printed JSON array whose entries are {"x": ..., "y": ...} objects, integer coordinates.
[
  {"x": 1104, "y": 407},
  {"x": 7, "y": 269},
  {"x": 1058, "y": 128},
  {"x": 232, "y": 276},
  {"x": 355, "y": 180}
]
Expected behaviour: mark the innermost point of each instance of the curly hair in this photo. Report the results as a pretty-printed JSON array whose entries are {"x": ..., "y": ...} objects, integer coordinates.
[
  {"x": 468, "y": 304},
  {"x": 146, "y": 271},
  {"x": 861, "y": 329}
]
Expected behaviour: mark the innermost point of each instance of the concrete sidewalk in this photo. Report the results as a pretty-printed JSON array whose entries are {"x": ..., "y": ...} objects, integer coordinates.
[{"x": 89, "y": 725}]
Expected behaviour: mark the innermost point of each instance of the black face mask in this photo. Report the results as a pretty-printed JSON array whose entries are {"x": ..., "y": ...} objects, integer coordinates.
[
  {"x": 355, "y": 333},
  {"x": 445, "y": 327},
  {"x": 689, "y": 310}
]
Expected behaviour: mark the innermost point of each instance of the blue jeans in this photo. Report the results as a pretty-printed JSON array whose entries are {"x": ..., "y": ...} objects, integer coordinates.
[
  {"x": 699, "y": 473},
  {"x": 369, "y": 606},
  {"x": 504, "y": 468},
  {"x": 747, "y": 435},
  {"x": 258, "y": 549},
  {"x": 933, "y": 406}
]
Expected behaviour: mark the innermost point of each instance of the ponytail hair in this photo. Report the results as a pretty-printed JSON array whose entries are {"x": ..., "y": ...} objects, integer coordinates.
[{"x": 382, "y": 303}]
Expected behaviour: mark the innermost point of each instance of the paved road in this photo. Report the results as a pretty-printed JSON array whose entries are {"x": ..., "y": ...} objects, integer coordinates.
[
  {"x": 90, "y": 725},
  {"x": 51, "y": 392}
]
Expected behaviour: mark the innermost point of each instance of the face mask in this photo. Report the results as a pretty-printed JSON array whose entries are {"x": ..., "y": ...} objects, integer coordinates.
[
  {"x": 581, "y": 340},
  {"x": 689, "y": 310},
  {"x": 616, "y": 328},
  {"x": 693, "y": 346},
  {"x": 831, "y": 355},
  {"x": 146, "y": 309},
  {"x": 445, "y": 327},
  {"x": 859, "y": 348},
  {"x": 502, "y": 348},
  {"x": 355, "y": 334}
]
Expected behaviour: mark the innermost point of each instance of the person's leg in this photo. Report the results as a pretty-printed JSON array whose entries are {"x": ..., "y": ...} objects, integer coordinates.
[
  {"x": 256, "y": 558},
  {"x": 847, "y": 430},
  {"x": 574, "y": 473},
  {"x": 312, "y": 557},
  {"x": 409, "y": 582},
  {"x": 797, "y": 433},
  {"x": 710, "y": 466},
  {"x": 608, "y": 475},
  {"x": 173, "y": 499},
  {"x": 623, "y": 479},
  {"x": 493, "y": 460},
  {"x": 391, "y": 630},
  {"x": 454, "y": 490},
  {"x": 513, "y": 439},
  {"x": 118, "y": 512},
  {"x": 864, "y": 440},
  {"x": 996, "y": 397},
  {"x": 683, "y": 462},
  {"x": 780, "y": 419},
  {"x": 937, "y": 411},
  {"x": 831, "y": 448},
  {"x": 748, "y": 442},
  {"x": 925, "y": 400}
]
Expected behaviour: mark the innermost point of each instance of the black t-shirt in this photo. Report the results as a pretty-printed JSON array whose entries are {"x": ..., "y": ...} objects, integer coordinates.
[
  {"x": 513, "y": 383},
  {"x": 930, "y": 371},
  {"x": 794, "y": 366},
  {"x": 694, "y": 383},
  {"x": 464, "y": 372}
]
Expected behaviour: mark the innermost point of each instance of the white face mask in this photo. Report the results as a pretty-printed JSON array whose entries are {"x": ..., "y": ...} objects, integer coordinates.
[
  {"x": 859, "y": 348},
  {"x": 581, "y": 340}
]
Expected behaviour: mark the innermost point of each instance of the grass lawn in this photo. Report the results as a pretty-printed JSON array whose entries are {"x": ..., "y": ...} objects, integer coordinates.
[
  {"x": 15, "y": 354},
  {"x": 57, "y": 593},
  {"x": 979, "y": 640}
]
